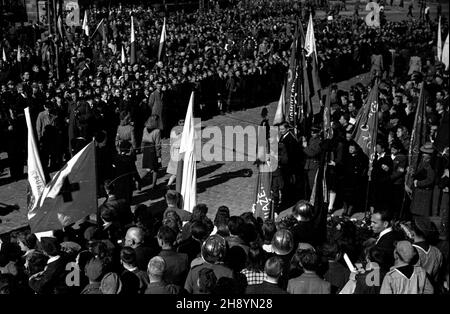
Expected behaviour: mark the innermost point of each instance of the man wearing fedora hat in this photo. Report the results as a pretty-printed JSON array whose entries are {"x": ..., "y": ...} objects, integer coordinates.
[{"x": 423, "y": 183}]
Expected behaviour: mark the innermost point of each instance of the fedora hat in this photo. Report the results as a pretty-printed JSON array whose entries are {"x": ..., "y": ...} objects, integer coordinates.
[{"x": 427, "y": 148}]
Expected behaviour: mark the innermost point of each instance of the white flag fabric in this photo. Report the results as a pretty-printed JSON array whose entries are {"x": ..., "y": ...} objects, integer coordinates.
[
  {"x": 123, "y": 59},
  {"x": 71, "y": 194},
  {"x": 280, "y": 114},
  {"x": 36, "y": 177},
  {"x": 85, "y": 25},
  {"x": 162, "y": 40},
  {"x": 4, "y": 55},
  {"x": 187, "y": 147},
  {"x": 19, "y": 54},
  {"x": 445, "y": 56},
  {"x": 439, "y": 42},
  {"x": 310, "y": 40}
]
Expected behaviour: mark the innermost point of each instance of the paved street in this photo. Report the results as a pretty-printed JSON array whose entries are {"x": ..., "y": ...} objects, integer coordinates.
[{"x": 219, "y": 183}]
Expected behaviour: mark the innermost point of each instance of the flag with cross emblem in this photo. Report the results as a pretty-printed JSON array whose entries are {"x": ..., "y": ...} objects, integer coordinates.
[{"x": 69, "y": 196}]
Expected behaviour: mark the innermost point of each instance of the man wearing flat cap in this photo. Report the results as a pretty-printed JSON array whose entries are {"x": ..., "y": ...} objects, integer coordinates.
[
  {"x": 404, "y": 277},
  {"x": 423, "y": 183}
]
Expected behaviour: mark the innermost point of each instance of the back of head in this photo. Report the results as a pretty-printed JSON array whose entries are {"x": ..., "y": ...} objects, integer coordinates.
[
  {"x": 199, "y": 231},
  {"x": 274, "y": 267},
  {"x": 134, "y": 237},
  {"x": 222, "y": 215},
  {"x": 404, "y": 251},
  {"x": 111, "y": 284},
  {"x": 167, "y": 235},
  {"x": 50, "y": 246},
  {"x": 235, "y": 225},
  {"x": 268, "y": 230},
  {"x": 95, "y": 269},
  {"x": 207, "y": 280},
  {"x": 128, "y": 256},
  {"x": 256, "y": 257},
  {"x": 156, "y": 267},
  {"x": 199, "y": 211},
  {"x": 172, "y": 198},
  {"x": 309, "y": 260}
]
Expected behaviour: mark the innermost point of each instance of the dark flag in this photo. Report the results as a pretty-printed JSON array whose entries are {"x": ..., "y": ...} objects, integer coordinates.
[
  {"x": 418, "y": 138},
  {"x": 319, "y": 198},
  {"x": 291, "y": 81},
  {"x": 366, "y": 126},
  {"x": 262, "y": 205}
]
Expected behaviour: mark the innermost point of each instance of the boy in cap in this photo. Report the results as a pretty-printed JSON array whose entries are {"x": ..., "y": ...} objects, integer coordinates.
[
  {"x": 404, "y": 277},
  {"x": 430, "y": 258},
  {"x": 94, "y": 271}
]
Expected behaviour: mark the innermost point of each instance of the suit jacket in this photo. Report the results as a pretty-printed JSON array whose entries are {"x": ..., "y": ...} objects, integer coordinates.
[
  {"x": 308, "y": 284},
  {"x": 264, "y": 288},
  {"x": 291, "y": 151},
  {"x": 312, "y": 152},
  {"x": 387, "y": 244},
  {"x": 143, "y": 255},
  {"x": 177, "y": 266},
  {"x": 400, "y": 163},
  {"x": 53, "y": 278}
]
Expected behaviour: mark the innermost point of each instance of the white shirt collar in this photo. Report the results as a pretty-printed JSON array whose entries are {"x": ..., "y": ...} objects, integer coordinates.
[
  {"x": 270, "y": 280},
  {"x": 382, "y": 233},
  {"x": 52, "y": 259},
  {"x": 381, "y": 155},
  {"x": 129, "y": 268}
]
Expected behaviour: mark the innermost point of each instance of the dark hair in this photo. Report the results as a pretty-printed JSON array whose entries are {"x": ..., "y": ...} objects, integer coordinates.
[
  {"x": 330, "y": 250},
  {"x": 309, "y": 260},
  {"x": 274, "y": 267},
  {"x": 28, "y": 239},
  {"x": 199, "y": 230},
  {"x": 222, "y": 215},
  {"x": 206, "y": 280},
  {"x": 385, "y": 215},
  {"x": 268, "y": 229},
  {"x": 167, "y": 235},
  {"x": 236, "y": 258},
  {"x": 172, "y": 197},
  {"x": 235, "y": 225},
  {"x": 128, "y": 255},
  {"x": 199, "y": 211},
  {"x": 50, "y": 246},
  {"x": 256, "y": 257},
  {"x": 377, "y": 255}
]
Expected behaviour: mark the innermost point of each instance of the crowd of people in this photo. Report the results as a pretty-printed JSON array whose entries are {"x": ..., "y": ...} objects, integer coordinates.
[{"x": 234, "y": 58}]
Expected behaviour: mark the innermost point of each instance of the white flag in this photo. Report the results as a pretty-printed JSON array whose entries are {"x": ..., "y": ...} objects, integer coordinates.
[
  {"x": 85, "y": 26},
  {"x": 445, "y": 57},
  {"x": 310, "y": 40},
  {"x": 280, "y": 113},
  {"x": 70, "y": 195},
  {"x": 187, "y": 146},
  {"x": 19, "y": 54},
  {"x": 4, "y": 55},
  {"x": 36, "y": 177},
  {"x": 123, "y": 59}
]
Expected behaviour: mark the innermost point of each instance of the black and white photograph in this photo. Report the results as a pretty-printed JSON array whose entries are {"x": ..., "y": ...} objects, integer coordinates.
[{"x": 238, "y": 149}]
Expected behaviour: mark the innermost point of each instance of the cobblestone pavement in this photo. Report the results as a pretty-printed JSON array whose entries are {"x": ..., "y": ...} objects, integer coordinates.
[{"x": 218, "y": 183}]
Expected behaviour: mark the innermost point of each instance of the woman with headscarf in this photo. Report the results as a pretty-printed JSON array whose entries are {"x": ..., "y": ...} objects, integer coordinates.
[{"x": 151, "y": 148}]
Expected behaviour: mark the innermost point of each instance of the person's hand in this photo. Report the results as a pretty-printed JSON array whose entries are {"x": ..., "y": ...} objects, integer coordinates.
[
  {"x": 385, "y": 167},
  {"x": 10, "y": 128}
]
